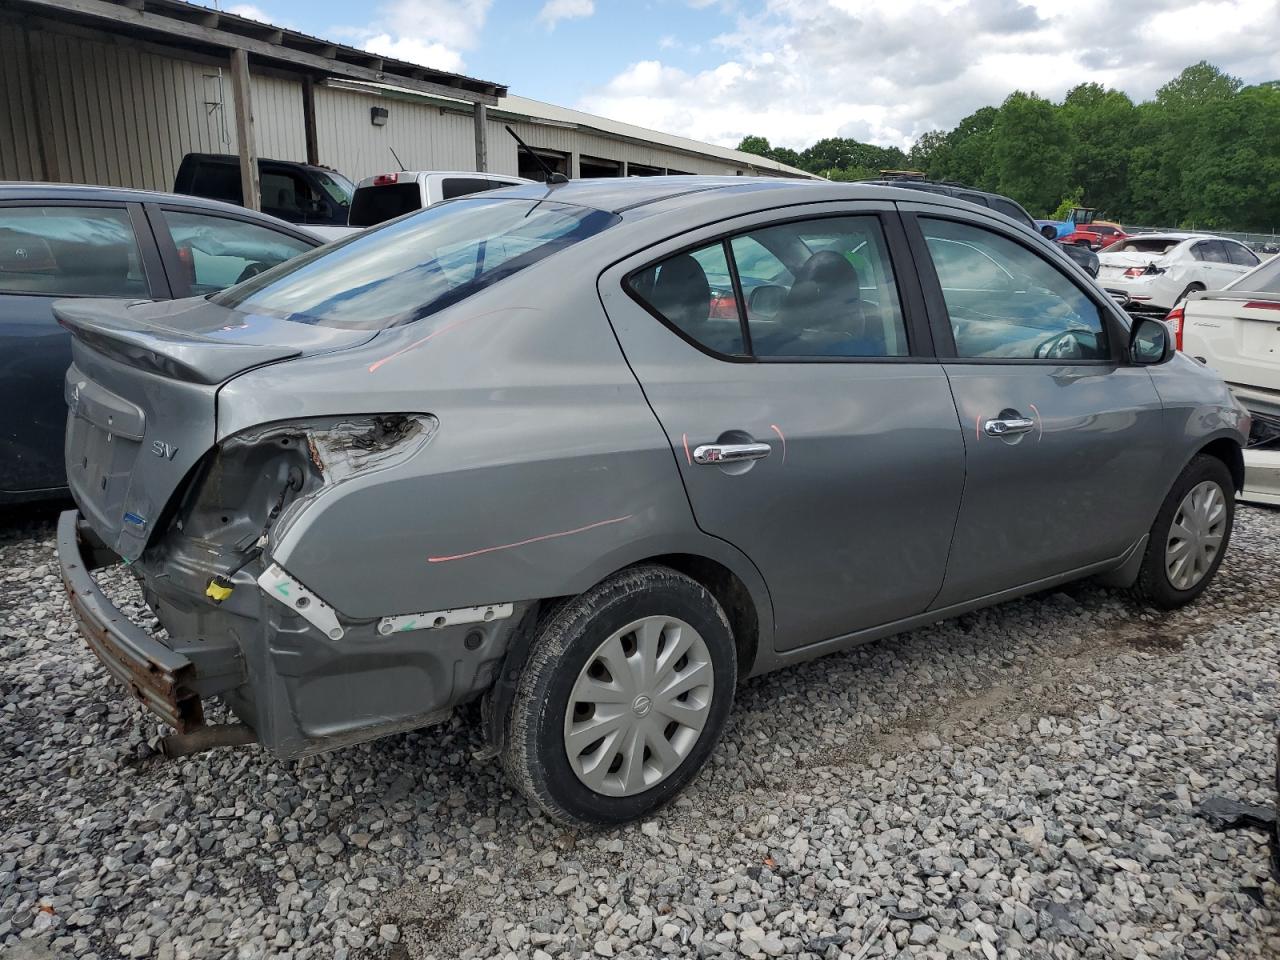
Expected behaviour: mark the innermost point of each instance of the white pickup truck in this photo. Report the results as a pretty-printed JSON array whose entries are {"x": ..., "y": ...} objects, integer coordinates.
[{"x": 1236, "y": 332}]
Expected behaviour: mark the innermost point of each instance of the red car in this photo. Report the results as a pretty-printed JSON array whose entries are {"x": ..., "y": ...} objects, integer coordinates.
[{"x": 1096, "y": 235}]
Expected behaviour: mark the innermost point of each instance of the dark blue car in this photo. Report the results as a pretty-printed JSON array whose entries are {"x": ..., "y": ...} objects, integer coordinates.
[{"x": 59, "y": 241}]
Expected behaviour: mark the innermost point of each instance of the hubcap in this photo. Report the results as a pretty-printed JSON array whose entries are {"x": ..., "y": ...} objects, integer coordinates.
[
  {"x": 1196, "y": 535},
  {"x": 638, "y": 706}
]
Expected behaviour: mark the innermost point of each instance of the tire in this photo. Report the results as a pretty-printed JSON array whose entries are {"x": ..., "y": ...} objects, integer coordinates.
[
  {"x": 566, "y": 666},
  {"x": 1155, "y": 584},
  {"x": 1191, "y": 288}
]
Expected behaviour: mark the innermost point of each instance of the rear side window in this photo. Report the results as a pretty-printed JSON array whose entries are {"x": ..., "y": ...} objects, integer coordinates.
[
  {"x": 217, "y": 181},
  {"x": 70, "y": 251},
  {"x": 1265, "y": 279},
  {"x": 453, "y": 187},
  {"x": 378, "y": 204},
  {"x": 1011, "y": 210},
  {"x": 216, "y": 252},
  {"x": 417, "y": 266},
  {"x": 1210, "y": 251},
  {"x": 1006, "y": 302},
  {"x": 813, "y": 288}
]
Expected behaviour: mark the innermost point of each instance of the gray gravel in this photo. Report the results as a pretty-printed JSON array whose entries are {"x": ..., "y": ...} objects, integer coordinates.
[{"x": 1017, "y": 783}]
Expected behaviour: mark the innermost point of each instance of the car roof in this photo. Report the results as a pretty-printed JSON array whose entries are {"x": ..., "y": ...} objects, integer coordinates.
[
  {"x": 620, "y": 195},
  {"x": 415, "y": 174},
  {"x": 34, "y": 190},
  {"x": 1172, "y": 236}
]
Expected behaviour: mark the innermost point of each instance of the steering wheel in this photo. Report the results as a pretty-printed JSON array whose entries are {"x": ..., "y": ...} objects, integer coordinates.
[
  {"x": 1064, "y": 346},
  {"x": 252, "y": 270}
]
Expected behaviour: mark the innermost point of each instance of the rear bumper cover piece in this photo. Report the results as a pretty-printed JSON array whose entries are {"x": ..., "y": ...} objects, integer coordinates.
[{"x": 157, "y": 676}]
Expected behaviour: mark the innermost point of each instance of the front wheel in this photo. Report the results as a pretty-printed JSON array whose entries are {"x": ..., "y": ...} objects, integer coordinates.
[
  {"x": 624, "y": 695},
  {"x": 1190, "y": 535}
]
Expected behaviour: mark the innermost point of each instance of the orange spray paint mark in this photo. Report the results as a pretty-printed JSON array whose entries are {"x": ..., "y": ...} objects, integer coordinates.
[
  {"x": 523, "y": 543},
  {"x": 778, "y": 430}
]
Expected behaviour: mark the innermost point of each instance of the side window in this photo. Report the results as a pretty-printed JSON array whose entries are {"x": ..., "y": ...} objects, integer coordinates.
[
  {"x": 1211, "y": 251},
  {"x": 1240, "y": 255},
  {"x": 70, "y": 251},
  {"x": 1005, "y": 301},
  {"x": 288, "y": 195},
  {"x": 693, "y": 292},
  {"x": 1011, "y": 210},
  {"x": 217, "y": 181},
  {"x": 217, "y": 252},
  {"x": 820, "y": 288},
  {"x": 452, "y": 187}
]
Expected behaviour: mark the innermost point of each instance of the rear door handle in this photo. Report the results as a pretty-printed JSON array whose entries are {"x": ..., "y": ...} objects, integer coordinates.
[
  {"x": 1008, "y": 426},
  {"x": 720, "y": 453}
]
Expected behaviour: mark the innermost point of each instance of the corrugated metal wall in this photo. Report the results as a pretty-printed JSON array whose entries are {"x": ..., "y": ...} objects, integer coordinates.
[{"x": 125, "y": 116}]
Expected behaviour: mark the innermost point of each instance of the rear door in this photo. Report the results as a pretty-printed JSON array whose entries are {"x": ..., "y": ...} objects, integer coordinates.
[
  {"x": 1062, "y": 437},
  {"x": 787, "y": 357},
  {"x": 50, "y": 250}
]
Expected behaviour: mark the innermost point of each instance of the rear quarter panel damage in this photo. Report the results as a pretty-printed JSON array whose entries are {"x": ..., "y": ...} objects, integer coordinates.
[{"x": 547, "y": 472}]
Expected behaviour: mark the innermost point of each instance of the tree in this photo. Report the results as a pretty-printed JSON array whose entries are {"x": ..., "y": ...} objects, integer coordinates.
[
  {"x": 1029, "y": 152},
  {"x": 757, "y": 145}
]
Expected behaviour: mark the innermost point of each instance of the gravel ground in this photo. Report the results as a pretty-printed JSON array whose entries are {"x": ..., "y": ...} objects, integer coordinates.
[{"x": 1020, "y": 782}]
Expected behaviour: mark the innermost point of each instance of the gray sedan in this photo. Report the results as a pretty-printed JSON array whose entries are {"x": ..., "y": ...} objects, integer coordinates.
[{"x": 595, "y": 452}]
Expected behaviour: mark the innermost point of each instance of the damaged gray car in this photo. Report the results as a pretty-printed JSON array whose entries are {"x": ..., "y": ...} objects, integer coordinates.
[{"x": 593, "y": 453}]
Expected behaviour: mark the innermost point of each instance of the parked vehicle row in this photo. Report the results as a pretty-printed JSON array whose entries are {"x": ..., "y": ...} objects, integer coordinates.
[{"x": 593, "y": 452}]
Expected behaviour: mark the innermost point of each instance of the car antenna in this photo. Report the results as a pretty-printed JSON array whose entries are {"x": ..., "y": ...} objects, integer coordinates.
[
  {"x": 553, "y": 177},
  {"x": 398, "y": 160}
]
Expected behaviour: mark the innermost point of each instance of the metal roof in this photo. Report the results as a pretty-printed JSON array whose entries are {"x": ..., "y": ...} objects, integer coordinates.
[
  {"x": 203, "y": 28},
  {"x": 522, "y": 108}
]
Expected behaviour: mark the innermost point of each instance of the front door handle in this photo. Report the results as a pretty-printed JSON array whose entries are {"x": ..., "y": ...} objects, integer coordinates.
[
  {"x": 1008, "y": 426},
  {"x": 721, "y": 453}
]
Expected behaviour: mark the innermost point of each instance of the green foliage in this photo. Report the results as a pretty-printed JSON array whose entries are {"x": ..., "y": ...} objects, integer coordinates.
[{"x": 1204, "y": 152}]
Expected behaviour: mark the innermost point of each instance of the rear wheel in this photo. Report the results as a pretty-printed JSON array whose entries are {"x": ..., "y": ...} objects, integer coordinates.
[
  {"x": 1191, "y": 288},
  {"x": 625, "y": 693},
  {"x": 1190, "y": 535}
]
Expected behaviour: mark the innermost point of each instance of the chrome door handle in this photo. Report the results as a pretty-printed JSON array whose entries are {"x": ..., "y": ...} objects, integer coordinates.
[
  {"x": 717, "y": 453},
  {"x": 1008, "y": 426}
]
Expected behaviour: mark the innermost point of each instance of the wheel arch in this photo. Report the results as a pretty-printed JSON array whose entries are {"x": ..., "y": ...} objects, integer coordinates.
[{"x": 1228, "y": 450}]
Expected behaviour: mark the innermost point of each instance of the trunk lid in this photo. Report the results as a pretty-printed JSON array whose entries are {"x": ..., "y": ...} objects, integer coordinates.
[
  {"x": 1237, "y": 335},
  {"x": 1115, "y": 264},
  {"x": 142, "y": 391}
]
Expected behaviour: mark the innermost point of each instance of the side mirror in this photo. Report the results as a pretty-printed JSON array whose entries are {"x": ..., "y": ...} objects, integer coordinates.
[{"x": 1149, "y": 342}]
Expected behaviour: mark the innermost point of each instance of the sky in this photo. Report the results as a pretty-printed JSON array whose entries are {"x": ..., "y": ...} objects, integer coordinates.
[{"x": 881, "y": 71}]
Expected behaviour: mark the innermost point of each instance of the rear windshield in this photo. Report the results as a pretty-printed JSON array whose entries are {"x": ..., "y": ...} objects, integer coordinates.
[
  {"x": 376, "y": 204},
  {"x": 416, "y": 266},
  {"x": 1144, "y": 245},
  {"x": 1265, "y": 279}
]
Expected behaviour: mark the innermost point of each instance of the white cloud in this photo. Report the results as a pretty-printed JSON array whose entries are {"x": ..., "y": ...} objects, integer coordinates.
[
  {"x": 431, "y": 33},
  {"x": 250, "y": 11},
  {"x": 799, "y": 70},
  {"x": 553, "y": 11}
]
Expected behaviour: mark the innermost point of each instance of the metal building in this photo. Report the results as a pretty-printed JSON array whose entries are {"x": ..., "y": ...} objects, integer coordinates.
[{"x": 117, "y": 91}]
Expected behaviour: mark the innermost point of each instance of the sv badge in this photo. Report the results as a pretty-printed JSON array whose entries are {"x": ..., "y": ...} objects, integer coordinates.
[{"x": 162, "y": 449}]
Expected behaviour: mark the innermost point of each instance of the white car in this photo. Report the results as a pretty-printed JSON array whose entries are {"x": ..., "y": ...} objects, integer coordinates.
[
  {"x": 1159, "y": 269},
  {"x": 1236, "y": 332},
  {"x": 390, "y": 195}
]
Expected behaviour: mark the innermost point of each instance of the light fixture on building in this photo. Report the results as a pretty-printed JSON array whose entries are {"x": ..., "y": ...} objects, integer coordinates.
[{"x": 378, "y": 116}]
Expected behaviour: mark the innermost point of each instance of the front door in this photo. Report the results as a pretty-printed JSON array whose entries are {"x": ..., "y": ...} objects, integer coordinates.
[
  {"x": 793, "y": 376},
  {"x": 1064, "y": 457}
]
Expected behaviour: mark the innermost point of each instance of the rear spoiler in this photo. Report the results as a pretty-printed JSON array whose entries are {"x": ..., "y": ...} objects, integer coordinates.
[
  {"x": 109, "y": 327},
  {"x": 1263, "y": 296}
]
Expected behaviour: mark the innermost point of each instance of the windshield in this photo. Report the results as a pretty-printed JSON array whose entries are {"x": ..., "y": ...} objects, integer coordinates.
[
  {"x": 416, "y": 266},
  {"x": 1145, "y": 245},
  {"x": 338, "y": 187}
]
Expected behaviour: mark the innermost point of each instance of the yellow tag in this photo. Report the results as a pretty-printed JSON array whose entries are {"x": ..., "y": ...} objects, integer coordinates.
[{"x": 216, "y": 592}]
